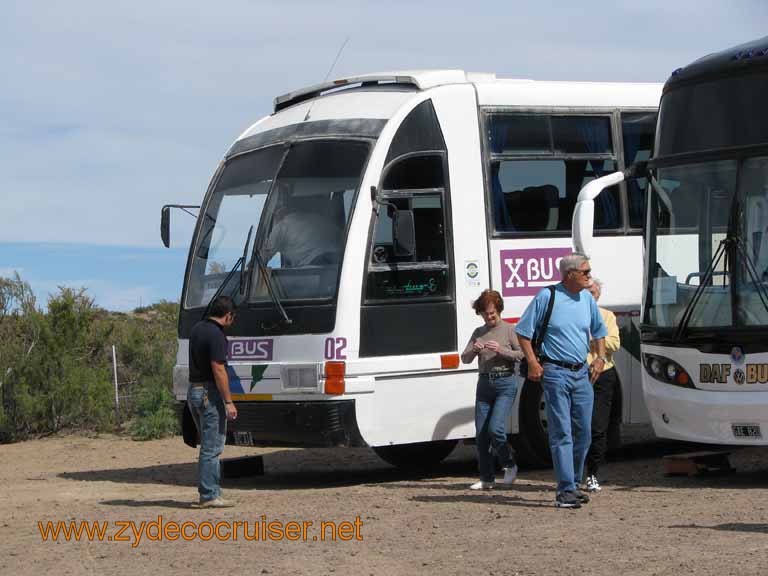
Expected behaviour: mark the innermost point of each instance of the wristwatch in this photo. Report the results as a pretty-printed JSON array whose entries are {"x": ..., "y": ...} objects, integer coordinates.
[{"x": 603, "y": 358}]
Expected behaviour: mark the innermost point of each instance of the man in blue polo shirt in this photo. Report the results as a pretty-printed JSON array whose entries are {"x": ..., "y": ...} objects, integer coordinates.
[{"x": 563, "y": 372}]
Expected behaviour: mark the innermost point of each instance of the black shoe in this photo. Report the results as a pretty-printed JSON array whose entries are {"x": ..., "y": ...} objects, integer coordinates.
[
  {"x": 580, "y": 496},
  {"x": 567, "y": 500}
]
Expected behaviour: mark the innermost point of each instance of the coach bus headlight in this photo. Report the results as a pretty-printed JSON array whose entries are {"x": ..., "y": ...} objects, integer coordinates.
[{"x": 666, "y": 370}]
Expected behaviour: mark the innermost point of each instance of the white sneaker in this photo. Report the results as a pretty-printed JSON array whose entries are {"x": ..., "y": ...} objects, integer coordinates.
[
  {"x": 510, "y": 475},
  {"x": 592, "y": 484},
  {"x": 482, "y": 486},
  {"x": 218, "y": 502}
]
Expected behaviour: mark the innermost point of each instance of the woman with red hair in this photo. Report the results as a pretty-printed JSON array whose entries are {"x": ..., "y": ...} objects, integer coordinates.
[{"x": 498, "y": 351}]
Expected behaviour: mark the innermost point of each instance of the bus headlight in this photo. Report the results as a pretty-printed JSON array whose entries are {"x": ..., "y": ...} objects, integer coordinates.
[
  {"x": 300, "y": 377},
  {"x": 667, "y": 371}
]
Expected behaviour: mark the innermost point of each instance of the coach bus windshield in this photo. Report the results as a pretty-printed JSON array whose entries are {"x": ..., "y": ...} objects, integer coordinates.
[
  {"x": 298, "y": 197},
  {"x": 706, "y": 215}
]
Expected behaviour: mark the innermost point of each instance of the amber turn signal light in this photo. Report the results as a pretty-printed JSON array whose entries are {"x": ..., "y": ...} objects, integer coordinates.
[
  {"x": 449, "y": 361},
  {"x": 334, "y": 377}
]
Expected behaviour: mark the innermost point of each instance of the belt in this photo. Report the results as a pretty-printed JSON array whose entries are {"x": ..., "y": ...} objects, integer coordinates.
[
  {"x": 569, "y": 365},
  {"x": 500, "y": 373},
  {"x": 198, "y": 384}
]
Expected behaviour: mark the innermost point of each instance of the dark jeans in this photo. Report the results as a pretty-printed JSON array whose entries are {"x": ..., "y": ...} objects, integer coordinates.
[
  {"x": 607, "y": 390},
  {"x": 207, "y": 408},
  {"x": 493, "y": 403},
  {"x": 568, "y": 395}
]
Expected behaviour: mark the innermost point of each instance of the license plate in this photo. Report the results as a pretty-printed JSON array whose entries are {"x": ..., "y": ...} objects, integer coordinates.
[
  {"x": 243, "y": 439},
  {"x": 746, "y": 430}
]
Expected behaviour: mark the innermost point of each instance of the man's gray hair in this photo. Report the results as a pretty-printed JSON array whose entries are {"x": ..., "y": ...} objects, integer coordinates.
[
  {"x": 598, "y": 282},
  {"x": 571, "y": 262}
]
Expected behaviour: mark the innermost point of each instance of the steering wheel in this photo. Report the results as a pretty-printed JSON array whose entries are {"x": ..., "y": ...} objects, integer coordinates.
[{"x": 380, "y": 254}]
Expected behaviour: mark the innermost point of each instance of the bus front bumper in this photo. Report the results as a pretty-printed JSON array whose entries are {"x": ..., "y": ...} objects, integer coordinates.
[
  {"x": 734, "y": 418},
  {"x": 303, "y": 424}
]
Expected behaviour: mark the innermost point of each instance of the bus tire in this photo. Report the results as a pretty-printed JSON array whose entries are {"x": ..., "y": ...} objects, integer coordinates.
[
  {"x": 416, "y": 456},
  {"x": 532, "y": 443}
]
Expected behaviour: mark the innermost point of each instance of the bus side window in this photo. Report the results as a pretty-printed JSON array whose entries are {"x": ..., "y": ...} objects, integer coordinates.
[
  {"x": 413, "y": 183},
  {"x": 540, "y": 195},
  {"x": 428, "y": 223},
  {"x": 538, "y": 165}
]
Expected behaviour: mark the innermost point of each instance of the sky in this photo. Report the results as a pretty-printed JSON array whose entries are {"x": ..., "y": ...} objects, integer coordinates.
[{"x": 108, "y": 110}]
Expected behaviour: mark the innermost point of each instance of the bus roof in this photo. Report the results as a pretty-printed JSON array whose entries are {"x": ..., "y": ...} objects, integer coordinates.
[
  {"x": 378, "y": 96},
  {"x": 418, "y": 79},
  {"x": 492, "y": 91},
  {"x": 540, "y": 93},
  {"x": 732, "y": 61}
]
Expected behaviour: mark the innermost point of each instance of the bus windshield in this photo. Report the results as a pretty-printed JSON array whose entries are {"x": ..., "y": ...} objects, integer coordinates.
[
  {"x": 709, "y": 215},
  {"x": 299, "y": 198}
]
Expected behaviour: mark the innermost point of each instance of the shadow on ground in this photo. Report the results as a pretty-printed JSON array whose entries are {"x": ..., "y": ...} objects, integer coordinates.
[
  {"x": 637, "y": 466},
  {"x": 729, "y": 527}
]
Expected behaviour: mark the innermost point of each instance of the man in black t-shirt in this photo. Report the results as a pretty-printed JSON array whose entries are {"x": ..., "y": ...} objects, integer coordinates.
[{"x": 208, "y": 397}]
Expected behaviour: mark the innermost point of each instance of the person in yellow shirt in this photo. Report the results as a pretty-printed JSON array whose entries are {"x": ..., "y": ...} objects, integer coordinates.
[{"x": 607, "y": 389}]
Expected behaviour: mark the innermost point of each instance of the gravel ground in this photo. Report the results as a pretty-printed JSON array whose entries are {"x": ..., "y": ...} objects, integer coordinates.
[{"x": 642, "y": 522}]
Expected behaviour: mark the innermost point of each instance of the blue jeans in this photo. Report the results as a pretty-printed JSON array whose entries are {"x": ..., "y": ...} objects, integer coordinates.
[
  {"x": 207, "y": 408},
  {"x": 493, "y": 403},
  {"x": 569, "y": 398}
]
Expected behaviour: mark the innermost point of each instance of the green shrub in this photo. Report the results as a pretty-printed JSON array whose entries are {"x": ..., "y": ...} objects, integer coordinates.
[
  {"x": 56, "y": 365},
  {"x": 155, "y": 413}
]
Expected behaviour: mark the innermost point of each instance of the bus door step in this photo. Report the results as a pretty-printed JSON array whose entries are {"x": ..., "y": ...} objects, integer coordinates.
[
  {"x": 242, "y": 467},
  {"x": 698, "y": 463}
]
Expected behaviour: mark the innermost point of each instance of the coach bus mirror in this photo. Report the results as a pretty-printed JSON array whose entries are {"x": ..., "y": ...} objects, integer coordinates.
[
  {"x": 165, "y": 225},
  {"x": 584, "y": 212},
  {"x": 373, "y": 193},
  {"x": 404, "y": 233},
  {"x": 637, "y": 170},
  {"x": 165, "y": 220}
]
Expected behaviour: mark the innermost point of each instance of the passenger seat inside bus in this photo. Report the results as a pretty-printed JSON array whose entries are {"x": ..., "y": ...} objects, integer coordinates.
[{"x": 533, "y": 208}]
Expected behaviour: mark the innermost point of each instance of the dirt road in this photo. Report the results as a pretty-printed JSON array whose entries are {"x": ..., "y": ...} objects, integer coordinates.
[{"x": 641, "y": 523}]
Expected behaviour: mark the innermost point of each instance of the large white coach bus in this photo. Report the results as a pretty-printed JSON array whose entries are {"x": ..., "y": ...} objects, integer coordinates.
[
  {"x": 356, "y": 224},
  {"x": 705, "y": 309}
]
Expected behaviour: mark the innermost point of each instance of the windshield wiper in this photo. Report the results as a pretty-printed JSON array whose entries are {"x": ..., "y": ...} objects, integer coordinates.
[
  {"x": 725, "y": 243},
  {"x": 218, "y": 292},
  {"x": 750, "y": 266},
  {"x": 268, "y": 281},
  {"x": 723, "y": 248},
  {"x": 243, "y": 289},
  {"x": 731, "y": 240},
  {"x": 239, "y": 264}
]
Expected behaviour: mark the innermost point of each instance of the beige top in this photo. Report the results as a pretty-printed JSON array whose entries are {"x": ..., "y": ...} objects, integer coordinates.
[
  {"x": 612, "y": 341},
  {"x": 488, "y": 360}
]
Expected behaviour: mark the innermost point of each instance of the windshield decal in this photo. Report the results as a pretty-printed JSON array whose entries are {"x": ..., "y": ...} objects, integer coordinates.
[
  {"x": 335, "y": 348},
  {"x": 235, "y": 384},
  {"x": 250, "y": 348}
]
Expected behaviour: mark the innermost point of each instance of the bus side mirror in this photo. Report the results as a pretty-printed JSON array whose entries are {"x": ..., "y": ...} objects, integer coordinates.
[
  {"x": 404, "y": 233},
  {"x": 584, "y": 211},
  {"x": 583, "y": 222},
  {"x": 165, "y": 220},
  {"x": 165, "y": 225}
]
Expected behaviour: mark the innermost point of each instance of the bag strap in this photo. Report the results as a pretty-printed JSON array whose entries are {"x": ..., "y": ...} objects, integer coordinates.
[{"x": 545, "y": 322}]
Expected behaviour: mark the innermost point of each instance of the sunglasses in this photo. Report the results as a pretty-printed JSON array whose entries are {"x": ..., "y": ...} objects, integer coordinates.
[{"x": 586, "y": 273}]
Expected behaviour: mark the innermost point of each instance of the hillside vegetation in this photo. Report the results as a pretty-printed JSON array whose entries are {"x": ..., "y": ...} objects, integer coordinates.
[{"x": 56, "y": 367}]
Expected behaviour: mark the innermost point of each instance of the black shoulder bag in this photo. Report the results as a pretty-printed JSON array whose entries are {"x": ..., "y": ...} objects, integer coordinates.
[{"x": 538, "y": 335}]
